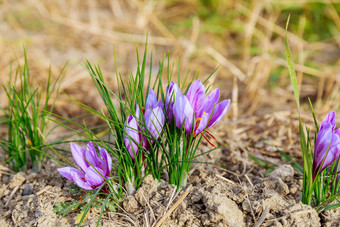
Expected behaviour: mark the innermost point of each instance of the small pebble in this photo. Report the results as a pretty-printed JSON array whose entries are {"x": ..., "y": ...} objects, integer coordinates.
[
  {"x": 31, "y": 176},
  {"x": 38, "y": 213},
  {"x": 29, "y": 197},
  {"x": 271, "y": 148},
  {"x": 293, "y": 188},
  {"x": 17, "y": 180},
  {"x": 285, "y": 172},
  {"x": 28, "y": 189},
  {"x": 5, "y": 179},
  {"x": 130, "y": 204},
  {"x": 259, "y": 145}
]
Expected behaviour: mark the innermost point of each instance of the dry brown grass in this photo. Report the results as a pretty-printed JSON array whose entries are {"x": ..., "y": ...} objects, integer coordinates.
[{"x": 57, "y": 31}]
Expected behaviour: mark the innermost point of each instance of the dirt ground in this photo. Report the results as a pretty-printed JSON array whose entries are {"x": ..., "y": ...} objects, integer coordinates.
[
  {"x": 249, "y": 48},
  {"x": 240, "y": 194}
]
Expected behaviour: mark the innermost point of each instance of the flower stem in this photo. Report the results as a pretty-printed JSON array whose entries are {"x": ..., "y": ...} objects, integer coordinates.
[{"x": 184, "y": 180}]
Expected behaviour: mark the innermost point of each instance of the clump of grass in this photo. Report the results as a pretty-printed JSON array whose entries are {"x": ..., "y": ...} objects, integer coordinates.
[
  {"x": 320, "y": 155},
  {"x": 173, "y": 149},
  {"x": 128, "y": 170},
  {"x": 26, "y": 118},
  {"x": 148, "y": 132},
  {"x": 131, "y": 96}
]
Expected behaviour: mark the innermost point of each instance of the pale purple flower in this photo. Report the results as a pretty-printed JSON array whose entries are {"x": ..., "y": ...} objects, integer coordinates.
[
  {"x": 93, "y": 168},
  {"x": 134, "y": 132},
  {"x": 151, "y": 101},
  {"x": 198, "y": 111},
  {"x": 327, "y": 145},
  {"x": 172, "y": 91}
]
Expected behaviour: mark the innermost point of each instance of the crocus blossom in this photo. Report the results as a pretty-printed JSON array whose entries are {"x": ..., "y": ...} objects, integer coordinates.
[
  {"x": 135, "y": 131},
  {"x": 172, "y": 91},
  {"x": 198, "y": 111},
  {"x": 327, "y": 145},
  {"x": 93, "y": 169}
]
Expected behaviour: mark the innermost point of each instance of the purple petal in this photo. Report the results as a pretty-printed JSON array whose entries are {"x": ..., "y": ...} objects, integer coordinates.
[
  {"x": 151, "y": 100},
  {"x": 80, "y": 181},
  {"x": 137, "y": 112},
  {"x": 172, "y": 91},
  {"x": 323, "y": 141},
  {"x": 76, "y": 176},
  {"x": 330, "y": 118},
  {"x": 196, "y": 95},
  {"x": 203, "y": 123},
  {"x": 107, "y": 161},
  {"x": 154, "y": 121},
  {"x": 67, "y": 172},
  {"x": 78, "y": 154},
  {"x": 211, "y": 100},
  {"x": 131, "y": 136},
  {"x": 337, "y": 151},
  {"x": 335, "y": 138},
  {"x": 337, "y": 131},
  {"x": 334, "y": 149},
  {"x": 91, "y": 155},
  {"x": 183, "y": 113},
  {"x": 219, "y": 112},
  {"x": 94, "y": 178},
  {"x": 159, "y": 104},
  {"x": 333, "y": 152}
]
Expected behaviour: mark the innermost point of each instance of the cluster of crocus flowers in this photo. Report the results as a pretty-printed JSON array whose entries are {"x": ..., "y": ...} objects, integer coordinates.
[
  {"x": 195, "y": 111},
  {"x": 192, "y": 112},
  {"x": 142, "y": 135},
  {"x": 94, "y": 169},
  {"x": 327, "y": 145}
]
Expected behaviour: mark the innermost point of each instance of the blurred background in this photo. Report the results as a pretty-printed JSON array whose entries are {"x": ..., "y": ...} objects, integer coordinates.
[{"x": 245, "y": 38}]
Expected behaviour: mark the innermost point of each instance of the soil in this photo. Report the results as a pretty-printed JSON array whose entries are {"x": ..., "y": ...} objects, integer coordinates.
[{"x": 241, "y": 193}]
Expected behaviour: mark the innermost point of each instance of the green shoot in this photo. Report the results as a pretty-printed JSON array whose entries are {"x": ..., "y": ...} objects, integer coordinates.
[{"x": 26, "y": 118}]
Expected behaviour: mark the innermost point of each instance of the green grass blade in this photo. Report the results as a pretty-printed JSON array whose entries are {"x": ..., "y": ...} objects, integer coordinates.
[{"x": 291, "y": 69}]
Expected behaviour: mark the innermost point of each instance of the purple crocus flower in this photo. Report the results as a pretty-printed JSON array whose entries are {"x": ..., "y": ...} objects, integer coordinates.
[
  {"x": 198, "y": 111},
  {"x": 154, "y": 122},
  {"x": 93, "y": 169},
  {"x": 327, "y": 145},
  {"x": 172, "y": 91}
]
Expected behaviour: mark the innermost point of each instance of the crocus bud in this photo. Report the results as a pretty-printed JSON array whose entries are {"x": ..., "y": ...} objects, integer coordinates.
[
  {"x": 327, "y": 145},
  {"x": 172, "y": 91}
]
